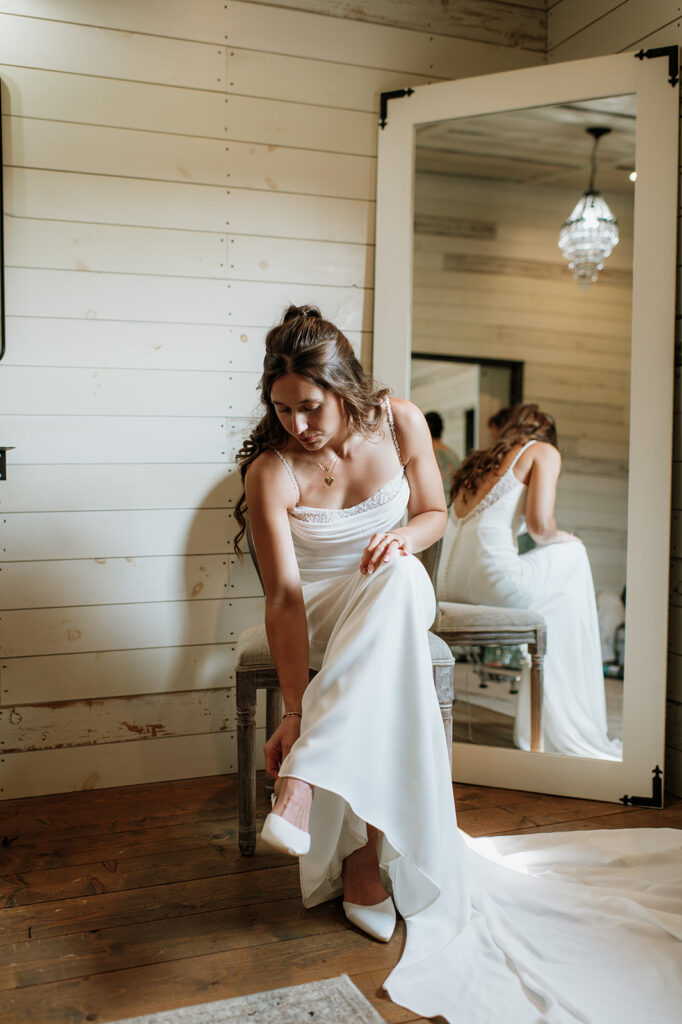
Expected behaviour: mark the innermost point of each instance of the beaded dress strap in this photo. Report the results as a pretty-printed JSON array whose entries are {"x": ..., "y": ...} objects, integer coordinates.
[
  {"x": 291, "y": 474},
  {"x": 521, "y": 451},
  {"x": 389, "y": 416}
]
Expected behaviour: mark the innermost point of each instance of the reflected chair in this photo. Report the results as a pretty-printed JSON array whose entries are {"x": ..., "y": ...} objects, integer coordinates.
[
  {"x": 475, "y": 625},
  {"x": 255, "y": 670}
]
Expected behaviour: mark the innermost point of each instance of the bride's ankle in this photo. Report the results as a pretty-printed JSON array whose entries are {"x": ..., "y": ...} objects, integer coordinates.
[{"x": 293, "y": 801}]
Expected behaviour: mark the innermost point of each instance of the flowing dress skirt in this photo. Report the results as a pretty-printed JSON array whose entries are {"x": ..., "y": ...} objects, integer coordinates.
[{"x": 573, "y": 927}]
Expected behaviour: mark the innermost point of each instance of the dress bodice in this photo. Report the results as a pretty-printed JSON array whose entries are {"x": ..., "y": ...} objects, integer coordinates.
[
  {"x": 330, "y": 541},
  {"x": 481, "y": 547}
]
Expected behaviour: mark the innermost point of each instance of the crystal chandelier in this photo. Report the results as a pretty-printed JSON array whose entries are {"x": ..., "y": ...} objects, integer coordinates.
[{"x": 591, "y": 232}]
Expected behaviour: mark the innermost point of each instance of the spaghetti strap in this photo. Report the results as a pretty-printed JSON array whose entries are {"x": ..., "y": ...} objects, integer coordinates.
[
  {"x": 389, "y": 415},
  {"x": 291, "y": 474},
  {"x": 521, "y": 451}
]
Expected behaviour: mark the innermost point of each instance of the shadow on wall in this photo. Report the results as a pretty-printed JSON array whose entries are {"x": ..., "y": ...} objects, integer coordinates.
[{"x": 224, "y": 597}]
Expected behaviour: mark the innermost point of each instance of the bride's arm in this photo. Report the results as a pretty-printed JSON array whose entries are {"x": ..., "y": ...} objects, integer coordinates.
[
  {"x": 427, "y": 511},
  {"x": 542, "y": 479},
  {"x": 268, "y": 496}
]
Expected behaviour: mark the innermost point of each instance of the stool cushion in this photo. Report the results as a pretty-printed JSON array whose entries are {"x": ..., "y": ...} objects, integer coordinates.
[
  {"x": 452, "y": 615},
  {"x": 440, "y": 652},
  {"x": 253, "y": 650}
]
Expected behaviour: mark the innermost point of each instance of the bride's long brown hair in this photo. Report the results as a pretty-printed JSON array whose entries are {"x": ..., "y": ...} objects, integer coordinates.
[
  {"x": 524, "y": 423},
  {"x": 309, "y": 346}
]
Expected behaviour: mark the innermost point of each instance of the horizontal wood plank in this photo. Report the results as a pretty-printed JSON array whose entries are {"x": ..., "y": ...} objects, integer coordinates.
[
  {"x": 92, "y": 628},
  {"x": 301, "y": 34},
  {"x": 115, "y": 102},
  {"x": 50, "y": 584},
  {"x": 85, "y": 50},
  {"x": 68, "y": 245},
  {"x": 120, "y": 764},
  {"x": 515, "y": 24},
  {"x": 101, "y": 198},
  {"x": 160, "y": 157},
  {"x": 302, "y": 80},
  {"x": 33, "y": 536},
  {"x": 50, "y": 440},
  {"x": 116, "y": 673},
  {"x": 202, "y": 21},
  {"x": 25, "y": 727},
  {"x": 177, "y": 299},
  {"x": 81, "y": 488},
  {"x": 620, "y": 27},
  {"x": 102, "y": 344},
  {"x": 70, "y": 391}
]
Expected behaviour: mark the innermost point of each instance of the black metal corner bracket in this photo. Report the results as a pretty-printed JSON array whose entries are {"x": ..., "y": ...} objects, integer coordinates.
[
  {"x": 656, "y": 798},
  {"x": 395, "y": 94},
  {"x": 673, "y": 55}
]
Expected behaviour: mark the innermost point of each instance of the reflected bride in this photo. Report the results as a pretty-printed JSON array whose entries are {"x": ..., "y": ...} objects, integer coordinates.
[{"x": 497, "y": 494}]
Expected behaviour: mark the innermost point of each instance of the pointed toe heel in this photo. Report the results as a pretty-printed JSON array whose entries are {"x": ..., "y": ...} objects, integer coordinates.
[
  {"x": 281, "y": 834},
  {"x": 377, "y": 920}
]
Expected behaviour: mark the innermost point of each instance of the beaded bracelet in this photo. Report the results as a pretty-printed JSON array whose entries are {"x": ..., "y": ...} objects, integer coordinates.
[{"x": 292, "y": 714}]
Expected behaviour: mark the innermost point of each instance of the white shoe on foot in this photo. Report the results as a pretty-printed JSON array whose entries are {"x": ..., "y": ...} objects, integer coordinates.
[
  {"x": 377, "y": 920},
  {"x": 281, "y": 834}
]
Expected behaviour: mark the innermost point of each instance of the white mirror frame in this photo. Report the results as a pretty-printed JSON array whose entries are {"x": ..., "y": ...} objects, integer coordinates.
[{"x": 651, "y": 394}]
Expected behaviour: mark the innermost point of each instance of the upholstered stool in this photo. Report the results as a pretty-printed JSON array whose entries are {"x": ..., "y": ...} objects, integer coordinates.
[
  {"x": 484, "y": 625},
  {"x": 255, "y": 671}
]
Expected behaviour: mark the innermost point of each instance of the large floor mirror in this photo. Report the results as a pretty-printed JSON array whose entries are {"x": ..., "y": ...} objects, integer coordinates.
[{"x": 476, "y": 180}]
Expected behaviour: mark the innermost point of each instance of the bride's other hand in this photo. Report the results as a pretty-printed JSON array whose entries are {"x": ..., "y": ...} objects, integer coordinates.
[
  {"x": 383, "y": 547},
  {"x": 280, "y": 743}
]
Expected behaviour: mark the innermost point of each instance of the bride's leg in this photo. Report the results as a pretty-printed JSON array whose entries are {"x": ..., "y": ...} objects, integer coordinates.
[
  {"x": 361, "y": 877},
  {"x": 294, "y": 798}
]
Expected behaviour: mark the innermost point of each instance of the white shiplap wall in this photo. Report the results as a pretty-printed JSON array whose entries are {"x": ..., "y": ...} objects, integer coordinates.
[
  {"x": 590, "y": 28},
  {"x": 175, "y": 175}
]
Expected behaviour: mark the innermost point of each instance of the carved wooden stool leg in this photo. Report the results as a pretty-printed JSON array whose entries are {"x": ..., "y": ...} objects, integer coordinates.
[
  {"x": 273, "y": 716},
  {"x": 246, "y": 761},
  {"x": 444, "y": 682},
  {"x": 537, "y": 672}
]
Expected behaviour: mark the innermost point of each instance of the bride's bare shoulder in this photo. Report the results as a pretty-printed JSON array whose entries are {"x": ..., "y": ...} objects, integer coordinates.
[
  {"x": 409, "y": 422},
  {"x": 268, "y": 476}
]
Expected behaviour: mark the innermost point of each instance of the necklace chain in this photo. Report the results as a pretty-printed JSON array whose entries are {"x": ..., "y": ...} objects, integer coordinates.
[{"x": 327, "y": 470}]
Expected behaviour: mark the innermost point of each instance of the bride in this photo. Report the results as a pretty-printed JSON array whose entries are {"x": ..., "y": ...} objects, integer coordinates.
[
  {"x": 364, "y": 797},
  {"x": 496, "y": 494}
]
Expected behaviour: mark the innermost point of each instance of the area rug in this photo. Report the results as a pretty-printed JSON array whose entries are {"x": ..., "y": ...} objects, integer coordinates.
[{"x": 333, "y": 1001}]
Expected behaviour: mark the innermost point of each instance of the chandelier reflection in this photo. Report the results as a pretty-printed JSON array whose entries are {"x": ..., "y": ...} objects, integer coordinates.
[{"x": 590, "y": 234}]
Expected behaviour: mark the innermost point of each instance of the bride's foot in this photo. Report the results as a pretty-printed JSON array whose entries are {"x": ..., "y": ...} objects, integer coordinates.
[
  {"x": 286, "y": 827},
  {"x": 362, "y": 883},
  {"x": 366, "y": 903}
]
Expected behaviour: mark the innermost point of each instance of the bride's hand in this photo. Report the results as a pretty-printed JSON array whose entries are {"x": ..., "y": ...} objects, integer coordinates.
[
  {"x": 280, "y": 743},
  {"x": 383, "y": 547},
  {"x": 564, "y": 537}
]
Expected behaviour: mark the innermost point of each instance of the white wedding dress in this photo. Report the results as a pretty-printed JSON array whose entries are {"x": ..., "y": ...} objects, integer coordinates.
[
  {"x": 540, "y": 929},
  {"x": 480, "y": 564}
]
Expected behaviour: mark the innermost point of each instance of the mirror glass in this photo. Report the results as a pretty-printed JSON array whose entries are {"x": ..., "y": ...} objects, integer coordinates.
[{"x": 497, "y": 318}]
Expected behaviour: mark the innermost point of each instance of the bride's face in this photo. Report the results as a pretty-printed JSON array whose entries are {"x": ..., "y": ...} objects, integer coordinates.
[{"x": 310, "y": 414}]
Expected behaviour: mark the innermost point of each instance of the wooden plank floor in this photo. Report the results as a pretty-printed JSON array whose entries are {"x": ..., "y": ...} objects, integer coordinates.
[{"x": 127, "y": 901}]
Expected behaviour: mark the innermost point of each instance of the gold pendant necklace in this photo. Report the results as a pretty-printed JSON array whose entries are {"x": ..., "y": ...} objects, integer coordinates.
[{"x": 327, "y": 470}]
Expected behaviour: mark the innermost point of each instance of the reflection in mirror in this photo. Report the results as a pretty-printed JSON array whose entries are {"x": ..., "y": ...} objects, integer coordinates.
[{"x": 490, "y": 283}]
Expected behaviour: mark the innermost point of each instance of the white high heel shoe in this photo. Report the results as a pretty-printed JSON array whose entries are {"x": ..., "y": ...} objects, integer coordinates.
[
  {"x": 377, "y": 920},
  {"x": 281, "y": 834}
]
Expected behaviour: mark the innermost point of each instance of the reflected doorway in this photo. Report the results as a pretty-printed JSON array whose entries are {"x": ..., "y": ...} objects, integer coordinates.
[{"x": 465, "y": 392}]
